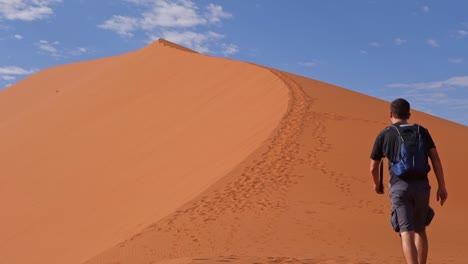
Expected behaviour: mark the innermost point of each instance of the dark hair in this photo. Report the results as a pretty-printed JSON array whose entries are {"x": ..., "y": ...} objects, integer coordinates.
[{"x": 400, "y": 108}]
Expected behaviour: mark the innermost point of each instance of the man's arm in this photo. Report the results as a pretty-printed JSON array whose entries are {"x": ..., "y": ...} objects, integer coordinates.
[
  {"x": 374, "y": 170},
  {"x": 439, "y": 172}
]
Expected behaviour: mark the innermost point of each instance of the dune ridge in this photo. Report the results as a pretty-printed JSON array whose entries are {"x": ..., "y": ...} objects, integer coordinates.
[
  {"x": 298, "y": 193},
  {"x": 165, "y": 43}
]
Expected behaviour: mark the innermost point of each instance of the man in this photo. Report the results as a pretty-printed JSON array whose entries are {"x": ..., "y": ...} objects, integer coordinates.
[{"x": 409, "y": 193}]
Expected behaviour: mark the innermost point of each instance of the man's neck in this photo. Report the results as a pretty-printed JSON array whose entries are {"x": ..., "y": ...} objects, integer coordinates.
[{"x": 397, "y": 120}]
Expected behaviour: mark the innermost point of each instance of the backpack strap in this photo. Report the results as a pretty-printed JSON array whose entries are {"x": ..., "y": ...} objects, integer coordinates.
[
  {"x": 406, "y": 125},
  {"x": 399, "y": 134}
]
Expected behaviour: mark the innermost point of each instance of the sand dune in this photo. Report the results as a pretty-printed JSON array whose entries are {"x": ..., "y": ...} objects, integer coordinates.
[
  {"x": 93, "y": 152},
  {"x": 168, "y": 156}
]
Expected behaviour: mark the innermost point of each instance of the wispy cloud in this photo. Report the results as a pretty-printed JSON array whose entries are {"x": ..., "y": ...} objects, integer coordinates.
[
  {"x": 175, "y": 21},
  {"x": 455, "y": 60},
  {"x": 7, "y": 77},
  {"x": 17, "y": 36},
  {"x": 229, "y": 49},
  {"x": 48, "y": 48},
  {"x": 433, "y": 43},
  {"x": 216, "y": 13},
  {"x": 165, "y": 14},
  {"x": 11, "y": 73},
  {"x": 458, "y": 81},
  {"x": 26, "y": 10},
  {"x": 14, "y": 70},
  {"x": 78, "y": 51},
  {"x": 122, "y": 25},
  {"x": 193, "y": 40},
  {"x": 53, "y": 49},
  {"x": 425, "y": 9},
  {"x": 447, "y": 97},
  {"x": 450, "y": 104},
  {"x": 461, "y": 33},
  {"x": 308, "y": 63},
  {"x": 399, "y": 41},
  {"x": 375, "y": 44}
]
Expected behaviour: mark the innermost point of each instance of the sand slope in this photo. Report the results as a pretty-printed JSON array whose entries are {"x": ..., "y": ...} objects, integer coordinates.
[
  {"x": 93, "y": 152},
  {"x": 284, "y": 178},
  {"x": 305, "y": 196}
]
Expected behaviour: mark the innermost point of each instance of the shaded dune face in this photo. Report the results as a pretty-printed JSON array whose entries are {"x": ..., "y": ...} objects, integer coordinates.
[
  {"x": 229, "y": 162},
  {"x": 93, "y": 152}
]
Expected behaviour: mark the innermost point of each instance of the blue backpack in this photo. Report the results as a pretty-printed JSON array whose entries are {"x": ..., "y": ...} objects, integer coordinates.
[{"x": 412, "y": 157}]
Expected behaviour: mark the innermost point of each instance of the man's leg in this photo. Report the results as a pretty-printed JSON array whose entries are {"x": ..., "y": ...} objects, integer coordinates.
[
  {"x": 409, "y": 247},
  {"x": 421, "y": 210},
  {"x": 422, "y": 246}
]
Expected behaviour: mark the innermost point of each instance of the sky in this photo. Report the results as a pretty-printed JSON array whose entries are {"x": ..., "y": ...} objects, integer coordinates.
[{"x": 387, "y": 49}]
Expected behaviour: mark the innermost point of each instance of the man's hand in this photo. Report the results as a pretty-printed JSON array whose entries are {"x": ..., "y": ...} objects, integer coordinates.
[
  {"x": 377, "y": 189},
  {"x": 442, "y": 194},
  {"x": 439, "y": 173},
  {"x": 374, "y": 170}
]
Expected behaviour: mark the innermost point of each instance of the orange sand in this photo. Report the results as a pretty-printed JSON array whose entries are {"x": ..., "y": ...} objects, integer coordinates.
[{"x": 168, "y": 156}]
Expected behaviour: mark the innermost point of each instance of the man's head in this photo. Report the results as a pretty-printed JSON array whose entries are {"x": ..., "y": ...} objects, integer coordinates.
[{"x": 400, "y": 109}]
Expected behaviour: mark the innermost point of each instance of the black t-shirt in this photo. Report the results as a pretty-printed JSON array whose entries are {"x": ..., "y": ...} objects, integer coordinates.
[{"x": 387, "y": 145}]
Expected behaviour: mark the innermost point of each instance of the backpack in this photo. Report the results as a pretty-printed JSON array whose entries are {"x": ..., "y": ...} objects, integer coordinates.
[{"x": 411, "y": 161}]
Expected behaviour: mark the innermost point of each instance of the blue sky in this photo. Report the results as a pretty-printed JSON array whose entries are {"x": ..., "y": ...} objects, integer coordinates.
[{"x": 387, "y": 49}]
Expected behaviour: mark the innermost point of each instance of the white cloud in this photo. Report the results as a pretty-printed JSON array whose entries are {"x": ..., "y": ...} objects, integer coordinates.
[
  {"x": 433, "y": 43},
  {"x": 122, "y": 25},
  {"x": 17, "y": 36},
  {"x": 53, "y": 49},
  {"x": 399, "y": 41},
  {"x": 7, "y": 77},
  {"x": 448, "y": 97},
  {"x": 190, "y": 39},
  {"x": 79, "y": 51},
  {"x": 49, "y": 48},
  {"x": 457, "y": 81},
  {"x": 10, "y": 73},
  {"x": 165, "y": 14},
  {"x": 308, "y": 63},
  {"x": 14, "y": 70},
  {"x": 229, "y": 49},
  {"x": 462, "y": 33},
  {"x": 176, "y": 21},
  {"x": 363, "y": 51},
  {"x": 26, "y": 10},
  {"x": 375, "y": 44},
  {"x": 429, "y": 100},
  {"x": 455, "y": 60},
  {"x": 425, "y": 9},
  {"x": 172, "y": 14},
  {"x": 216, "y": 13}
]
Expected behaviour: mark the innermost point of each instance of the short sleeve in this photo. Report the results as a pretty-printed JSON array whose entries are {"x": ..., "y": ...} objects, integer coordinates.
[
  {"x": 377, "y": 150},
  {"x": 428, "y": 139}
]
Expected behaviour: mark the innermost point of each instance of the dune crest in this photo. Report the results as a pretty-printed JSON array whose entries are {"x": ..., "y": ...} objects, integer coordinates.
[{"x": 166, "y": 43}]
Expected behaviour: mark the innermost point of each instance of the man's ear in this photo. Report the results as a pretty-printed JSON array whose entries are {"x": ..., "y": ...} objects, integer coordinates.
[
  {"x": 391, "y": 114},
  {"x": 409, "y": 115}
]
